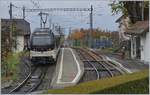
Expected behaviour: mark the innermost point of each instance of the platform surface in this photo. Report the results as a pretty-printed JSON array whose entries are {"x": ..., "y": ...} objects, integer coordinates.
[{"x": 69, "y": 69}]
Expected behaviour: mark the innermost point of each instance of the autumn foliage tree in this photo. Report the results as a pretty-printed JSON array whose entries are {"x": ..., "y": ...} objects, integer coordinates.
[{"x": 82, "y": 35}]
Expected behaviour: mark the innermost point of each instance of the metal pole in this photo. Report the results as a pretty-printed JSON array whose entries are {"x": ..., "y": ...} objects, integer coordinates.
[
  {"x": 60, "y": 33},
  {"x": 10, "y": 11},
  {"x": 142, "y": 10},
  {"x": 11, "y": 25},
  {"x": 26, "y": 44},
  {"x": 70, "y": 40},
  {"x": 50, "y": 23},
  {"x": 23, "y": 12},
  {"x": 40, "y": 14},
  {"x": 53, "y": 26},
  {"x": 91, "y": 27},
  {"x": 59, "y": 29}
]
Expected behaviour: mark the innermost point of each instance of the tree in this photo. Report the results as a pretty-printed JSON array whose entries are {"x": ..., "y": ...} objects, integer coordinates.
[{"x": 131, "y": 8}]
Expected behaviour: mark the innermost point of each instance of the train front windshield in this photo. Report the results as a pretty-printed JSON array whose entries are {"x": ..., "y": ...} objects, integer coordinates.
[{"x": 41, "y": 40}]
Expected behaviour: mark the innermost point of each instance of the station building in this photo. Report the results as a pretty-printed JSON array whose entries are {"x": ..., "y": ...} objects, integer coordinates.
[
  {"x": 134, "y": 27},
  {"x": 20, "y": 32},
  {"x": 140, "y": 40}
]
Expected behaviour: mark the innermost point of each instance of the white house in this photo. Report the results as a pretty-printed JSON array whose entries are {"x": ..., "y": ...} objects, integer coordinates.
[
  {"x": 123, "y": 25},
  {"x": 140, "y": 40},
  {"x": 21, "y": 29}
]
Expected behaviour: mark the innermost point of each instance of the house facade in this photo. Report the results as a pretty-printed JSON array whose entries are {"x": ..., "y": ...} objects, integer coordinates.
[
  {"x": 138, "y": 29},
  {"x": 21, "y": 32},
  {"x": 145, "y": 45},
  {"x": 123, "y": 25},
  {"x": 124, "y": 39},
  {"x": 140, "y": 40}
]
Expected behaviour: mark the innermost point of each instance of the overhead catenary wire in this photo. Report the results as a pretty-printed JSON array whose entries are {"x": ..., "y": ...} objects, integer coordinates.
[
  {"x": 57, "y": 11},
  {"x": 90, "y": 10}
]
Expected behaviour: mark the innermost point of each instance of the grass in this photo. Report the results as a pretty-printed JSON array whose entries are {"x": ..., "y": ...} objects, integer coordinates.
[
  {"x": 118, "y": 84},
  {"x": 12, "y": 61},
  {"x": 11, "y": 66},
  {"x": 134, "y": 87}
]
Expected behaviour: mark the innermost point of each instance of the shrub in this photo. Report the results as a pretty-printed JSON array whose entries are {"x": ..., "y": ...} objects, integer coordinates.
[{"x": 10, "y": 65}]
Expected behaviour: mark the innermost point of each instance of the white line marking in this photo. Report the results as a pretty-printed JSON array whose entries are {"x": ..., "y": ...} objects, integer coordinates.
[
  {"x": 61, "y": 68},
  {"x": 78, "y": 66},
  {"x": 129, "y": 71}
]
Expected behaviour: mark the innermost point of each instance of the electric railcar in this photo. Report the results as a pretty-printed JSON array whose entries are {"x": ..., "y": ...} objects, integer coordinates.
[{"x": 42, "y": 46}]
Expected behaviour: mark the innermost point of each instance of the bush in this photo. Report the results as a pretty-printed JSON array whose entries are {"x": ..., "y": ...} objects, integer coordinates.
[{"x": 10, "y": 65}]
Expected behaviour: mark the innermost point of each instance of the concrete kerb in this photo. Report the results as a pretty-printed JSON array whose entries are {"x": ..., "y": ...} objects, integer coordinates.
[
  {"x": 81, "y": 66},
  {"x": 55, "y": 75}
]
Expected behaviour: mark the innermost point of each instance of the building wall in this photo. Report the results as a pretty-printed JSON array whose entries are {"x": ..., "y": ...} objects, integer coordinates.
[
  {"x": 26, "y": 40},
  {"x": 143, "y": 38},
  {"x": 124, "y": 24},
  {"x": 22, "y": 30},
  {"x": 145, "y": 47},
  {"x": 133, "y": 47},
  {"x": 20, "y": 43}
]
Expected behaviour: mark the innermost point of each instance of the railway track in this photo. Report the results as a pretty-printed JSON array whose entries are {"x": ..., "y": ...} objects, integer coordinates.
[
  {"x": 32, "y": 81},
  {"x": 109, "y": 63},
  {"x": 98, "y": 64},
  {"x": 90, "y": 69},
  {"x": 91, "y": 72}
]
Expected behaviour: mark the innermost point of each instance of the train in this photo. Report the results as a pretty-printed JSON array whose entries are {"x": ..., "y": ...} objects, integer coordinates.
[{"x": 42, "y": 46}]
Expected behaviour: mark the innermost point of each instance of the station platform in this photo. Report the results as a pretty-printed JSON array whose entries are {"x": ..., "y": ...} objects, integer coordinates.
[{"x": 69, "y": 69}]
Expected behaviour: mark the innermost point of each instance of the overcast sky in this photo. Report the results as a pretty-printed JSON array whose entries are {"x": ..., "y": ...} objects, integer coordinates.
[{"x": 102, "y": 17}]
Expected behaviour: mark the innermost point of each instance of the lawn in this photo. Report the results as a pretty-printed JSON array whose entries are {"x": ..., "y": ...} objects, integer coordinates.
[
  {"x": 129, "y": 83},
  {"x": 134, "y": 87}
]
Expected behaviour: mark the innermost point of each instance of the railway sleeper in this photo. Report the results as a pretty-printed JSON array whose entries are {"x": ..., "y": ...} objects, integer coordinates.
[
  {"x": 100, "y": 69},
  {"x": 103, "y": 69},
  {"x": 89, "y": 69},
  {"x": 34, "y": 77},
  {"x": 93, "y": 60}
]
